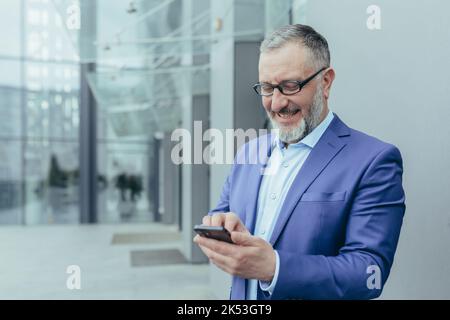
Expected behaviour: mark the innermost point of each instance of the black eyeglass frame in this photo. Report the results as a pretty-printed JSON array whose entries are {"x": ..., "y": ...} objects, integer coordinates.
[{"x": 300, "y": 84}]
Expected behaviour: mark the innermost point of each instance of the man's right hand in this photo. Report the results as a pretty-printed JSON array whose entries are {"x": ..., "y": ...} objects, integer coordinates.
[{"x": 229, "y": 220}]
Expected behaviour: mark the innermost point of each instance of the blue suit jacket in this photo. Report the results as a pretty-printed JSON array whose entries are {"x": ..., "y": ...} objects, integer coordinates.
[{"x": 342, "y": 214}]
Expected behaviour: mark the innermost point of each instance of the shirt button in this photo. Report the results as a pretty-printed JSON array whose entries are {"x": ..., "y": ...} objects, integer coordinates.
[
  {"x": 285, "y": 164},
  {"x": 273, "y": 196},
  {"x": 263, "y": 232}
]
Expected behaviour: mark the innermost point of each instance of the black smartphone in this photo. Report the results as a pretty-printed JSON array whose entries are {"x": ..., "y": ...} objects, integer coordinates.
[{"x": 217, "y": 233}]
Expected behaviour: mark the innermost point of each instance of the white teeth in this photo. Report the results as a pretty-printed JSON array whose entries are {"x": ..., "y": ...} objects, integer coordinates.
[{"x": 287, "y": 115}]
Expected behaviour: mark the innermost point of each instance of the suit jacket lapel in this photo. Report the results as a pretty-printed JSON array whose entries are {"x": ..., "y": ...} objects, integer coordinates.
[{"x": 324, "y": 151}]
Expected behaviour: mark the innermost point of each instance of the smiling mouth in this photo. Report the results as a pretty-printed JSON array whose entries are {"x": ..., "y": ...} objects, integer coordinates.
[{"x": 287, "y": 114}]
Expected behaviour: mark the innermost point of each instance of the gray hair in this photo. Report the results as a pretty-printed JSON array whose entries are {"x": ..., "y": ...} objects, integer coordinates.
[{"x": 304, "y": 35}]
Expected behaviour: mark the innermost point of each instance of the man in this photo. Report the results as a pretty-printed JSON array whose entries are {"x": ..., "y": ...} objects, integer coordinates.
[{"x": 325, "y": 221}]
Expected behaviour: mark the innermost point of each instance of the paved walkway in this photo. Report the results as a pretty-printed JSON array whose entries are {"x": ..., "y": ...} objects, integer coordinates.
[{"x": 34, "y": 261}]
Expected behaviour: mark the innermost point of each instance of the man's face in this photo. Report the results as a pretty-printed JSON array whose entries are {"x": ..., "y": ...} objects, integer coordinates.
[{"x": 296, "y": 115}]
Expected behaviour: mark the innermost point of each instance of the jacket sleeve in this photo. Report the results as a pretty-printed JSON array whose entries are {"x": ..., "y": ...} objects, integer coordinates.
[
  {"x": 224, "y": 204},
  {"x": 371, "y": 238}
]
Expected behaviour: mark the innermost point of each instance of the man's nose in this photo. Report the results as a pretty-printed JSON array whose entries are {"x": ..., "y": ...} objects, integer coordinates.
[{"x": 279, "y": 101}]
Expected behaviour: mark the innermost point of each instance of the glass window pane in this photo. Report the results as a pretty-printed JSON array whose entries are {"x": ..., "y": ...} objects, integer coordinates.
[
  {"x": 10, "y": 28},
  {"x": 39, "y": 90}
]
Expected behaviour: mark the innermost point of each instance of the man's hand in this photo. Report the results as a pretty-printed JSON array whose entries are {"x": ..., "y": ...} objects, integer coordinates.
[{"x": 249, "y": 257}]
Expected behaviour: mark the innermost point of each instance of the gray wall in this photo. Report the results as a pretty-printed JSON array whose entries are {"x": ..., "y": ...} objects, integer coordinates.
[
  {"x": 221, "y": 117},
  {"x": 194, "y": 178},
  {"x": 393, "y": 83},
  {"x": 195, "y": 182}
]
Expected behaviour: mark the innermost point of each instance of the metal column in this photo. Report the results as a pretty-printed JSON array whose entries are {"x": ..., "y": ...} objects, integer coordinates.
[{"x": 88, "y": 117}]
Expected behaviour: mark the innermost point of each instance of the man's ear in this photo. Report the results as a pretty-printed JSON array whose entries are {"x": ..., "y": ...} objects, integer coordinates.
[{"x": 327, "y": 81}]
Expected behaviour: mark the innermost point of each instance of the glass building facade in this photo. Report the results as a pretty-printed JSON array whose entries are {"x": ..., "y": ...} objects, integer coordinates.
[{"x": 141, "y": 61}]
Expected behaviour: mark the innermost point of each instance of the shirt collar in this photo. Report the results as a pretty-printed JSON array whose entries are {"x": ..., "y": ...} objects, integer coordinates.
[{"x": 311, "y": 139}]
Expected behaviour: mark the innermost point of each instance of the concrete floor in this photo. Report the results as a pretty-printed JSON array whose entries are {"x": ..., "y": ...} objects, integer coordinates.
[{"x": 34, "y": 261}]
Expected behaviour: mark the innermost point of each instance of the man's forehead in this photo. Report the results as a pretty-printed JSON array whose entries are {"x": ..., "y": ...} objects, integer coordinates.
[
  {"x": 279, "y": 76},
  {"x": 288, "y": 62}
]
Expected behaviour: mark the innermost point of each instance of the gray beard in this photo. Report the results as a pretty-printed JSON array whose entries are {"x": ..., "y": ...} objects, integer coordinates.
[{"x": 307, "y": 124}]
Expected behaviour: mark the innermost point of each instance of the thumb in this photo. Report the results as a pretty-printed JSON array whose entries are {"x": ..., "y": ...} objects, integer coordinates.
[{"x": 242, "y": 238}]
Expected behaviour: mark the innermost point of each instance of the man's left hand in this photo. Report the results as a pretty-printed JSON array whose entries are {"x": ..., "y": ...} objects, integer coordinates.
[{"x": 249, "y": 257}]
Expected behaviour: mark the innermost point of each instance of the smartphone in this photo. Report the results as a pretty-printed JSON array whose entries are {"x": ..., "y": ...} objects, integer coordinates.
[{"x": 217, "y": 233}]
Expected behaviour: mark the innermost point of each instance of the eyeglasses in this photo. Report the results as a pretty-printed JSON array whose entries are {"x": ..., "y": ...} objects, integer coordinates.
[{"x": 288, "y": 87}]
